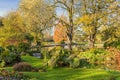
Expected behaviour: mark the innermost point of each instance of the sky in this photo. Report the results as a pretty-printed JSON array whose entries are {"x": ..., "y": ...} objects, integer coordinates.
[{"x": 7, "y": 6}]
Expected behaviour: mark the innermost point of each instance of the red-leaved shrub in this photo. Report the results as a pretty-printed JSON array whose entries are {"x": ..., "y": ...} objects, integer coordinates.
[
  {"x": 22, "y": 66},
  {"x": 112, "y": 60}
]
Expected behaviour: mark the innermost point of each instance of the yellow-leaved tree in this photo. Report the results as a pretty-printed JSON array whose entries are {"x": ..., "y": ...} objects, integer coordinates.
[
  {"x": 95, "y": 15},
  {"x": 12, "y": 30}
]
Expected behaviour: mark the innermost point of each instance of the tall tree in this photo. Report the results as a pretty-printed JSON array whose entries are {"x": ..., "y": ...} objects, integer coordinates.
[
  {"x": 38, "y": 15},
  {"x": 69, "y": 6},
  {"x": 111, "y": 31},
  {"x": 13, "y": 28},
  {"x": 1, "y": 22},
  {"x": 95, "y": 15},
  {"x": 60, "y": 32}
]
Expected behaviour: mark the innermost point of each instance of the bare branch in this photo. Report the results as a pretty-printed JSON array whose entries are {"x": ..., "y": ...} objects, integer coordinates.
[{"x": 65, "y": 6}]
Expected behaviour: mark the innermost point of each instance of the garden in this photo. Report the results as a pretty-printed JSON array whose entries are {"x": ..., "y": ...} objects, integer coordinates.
[{"x": 61, "y": 40}]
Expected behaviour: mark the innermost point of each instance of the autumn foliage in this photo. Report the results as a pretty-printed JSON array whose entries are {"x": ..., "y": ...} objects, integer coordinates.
[
  {"x": 60, "y": 33},
  {"x": 113, "y": 59}
]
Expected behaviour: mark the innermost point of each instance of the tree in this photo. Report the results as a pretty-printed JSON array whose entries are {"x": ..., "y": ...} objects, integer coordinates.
[
  {"x": 60, "y": 32},
  {"x": 13, "y": 29},
  {"x": 1, "y": 22},
  {"x": 70, "y": 7},
  {"x": 111, "y": 31},
  {"x": 95, "y": 15},
  {"x": 38, "y": 16}
]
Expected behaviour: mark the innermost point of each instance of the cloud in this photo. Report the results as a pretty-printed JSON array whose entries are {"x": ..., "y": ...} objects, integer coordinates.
[{"x": 3, "y": 13}]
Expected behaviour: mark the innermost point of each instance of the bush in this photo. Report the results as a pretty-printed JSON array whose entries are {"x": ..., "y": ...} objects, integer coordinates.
[
  {"x": 109, "y": 58},
  {"x": 91, "y": 58},
  {"x": 28, "y": 37},
  {"x": 112, "y": 60},
  {"x": 10, "y": 57},
  {"x": 58, "y": 57},
  {"x": 115, "y": 44},
  {"x": 84, "y": 63},
  {"x": 22, "y": 66},
  {"x": 2, "y": 50},
  {"x": 2, "y": 64},
  {"x": 75, "y": 63},
  {"x": 12, "y": 75},
  {"x": 23, "y": 47},
  {"x": 12, "y": 48}
]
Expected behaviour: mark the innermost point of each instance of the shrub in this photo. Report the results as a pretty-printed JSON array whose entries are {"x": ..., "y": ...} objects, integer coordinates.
[
  {"x": 2, "y": 63},
  {"x": 12, "y": 75},
  {"x": 84, "y": 63},
  {"x": 109, "y": 58},
  {"x": 58, "y": 58},
  {"x": 112, "y": 60},
  {"x": 33, "y": 79},
  {"x": 12, "y": 48},
  {"x": 53, "y": 61},
  {"x": 10, "y": 57},
  {"x": 115, "y": 44},
  {"x": 2, "y": 50},
  {"x": 112, "y": 78},
  {"x": 76, "y": 63},
  {"x": 22, "y": 66},
  {"x": 91, "y": 58},
  {"x": 23, "y": 47},
  {"x": 29, "y": 37}
]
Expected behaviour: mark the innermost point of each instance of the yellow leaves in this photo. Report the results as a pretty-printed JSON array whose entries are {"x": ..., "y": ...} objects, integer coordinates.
[
  {"x": 14, "y": 22},
  {"x": 27, "y": 4},
  {"x": 104, "y": 19},
  {"x": 87, "y": 23},
  {"x": 103, "y": 28},
  {"x": 13, "y": 27},
  {"x": 117, "y": 32},
  {"x": 88, "y": 29},
  {"x": 114, "y": 5},
  {"x": 87, "y": 19},
  {"x": 37, "y": 14}
]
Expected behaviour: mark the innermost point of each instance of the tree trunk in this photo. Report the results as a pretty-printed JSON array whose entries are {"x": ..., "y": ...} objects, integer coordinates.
[
  {"x": 70, "y": 46},
  {"x": 91, "y": 43},
  {"x": 92, "y": 40},
  {"x": 70, "y": 32}
]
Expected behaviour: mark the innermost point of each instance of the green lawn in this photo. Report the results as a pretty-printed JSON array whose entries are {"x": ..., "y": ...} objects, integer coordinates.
[
  {"x": 33, "y": 61},
  {"x": 68, "y": 73},
  {"x": 74, "y": 74}
]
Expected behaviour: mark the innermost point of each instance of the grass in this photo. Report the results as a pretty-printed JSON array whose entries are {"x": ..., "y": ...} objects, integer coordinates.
[
  {"x": 68, "y": 73},
  {"x": 36, "y": 62},
  {"x": 74, "y": 74}
]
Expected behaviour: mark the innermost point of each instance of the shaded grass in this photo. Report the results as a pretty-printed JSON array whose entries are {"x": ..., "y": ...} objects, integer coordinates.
[
  {"x": 7, "y": 68},
  {"x": 74, "y": 74},
  {"x": 67, "y": 73}
]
